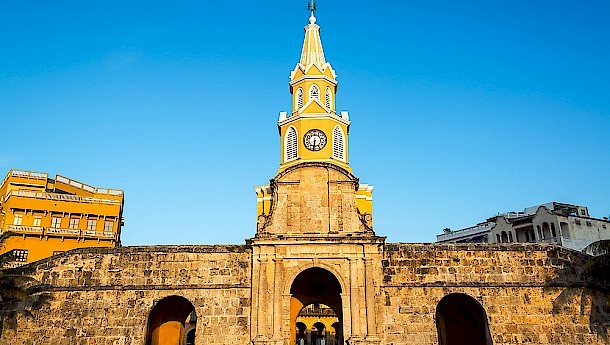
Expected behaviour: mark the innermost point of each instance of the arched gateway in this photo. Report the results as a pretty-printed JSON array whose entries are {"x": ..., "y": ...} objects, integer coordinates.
[
  {"x": 316, "y": 297},
  {"x": 171, "y": 322},
  {"x": 461, "y": 320}
]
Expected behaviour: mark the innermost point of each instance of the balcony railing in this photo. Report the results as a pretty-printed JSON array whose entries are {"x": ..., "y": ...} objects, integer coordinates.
[
  {"x": 25, "y": 229},
  {"x": 38, "y": 230},
  {"x": 59, "y": 197},
  {"x": 61, "y": 231},
  {"x": 471, "y": 231},
  {"x": 14, "y": 264},
  {"x": 98, "y": 234}
]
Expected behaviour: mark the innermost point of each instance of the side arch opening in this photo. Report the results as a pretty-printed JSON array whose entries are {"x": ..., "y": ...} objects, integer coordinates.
[
  {"x": 172, "y": 321},
  {"x": 461, "y": 320}
]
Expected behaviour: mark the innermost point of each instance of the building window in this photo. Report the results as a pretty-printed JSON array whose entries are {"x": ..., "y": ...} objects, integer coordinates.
[
  {"x": 56, "y": 222},
  {"x": 91, "y": 224},
  {"x": 299, "y": 101},
  {"x": 604, "y": 226},
  {"x": 539, "y": 232},
  {"x": 498, "y": 238},
  {"x": 510, "y": 237},
  {"x": 553, "y": 232},
  {"x": 338, "y": 143},
  {"x": 20, "y": 255},
  {"x": 37, "y": 221},
  {"x": 328, "y": 98},
  {"x": 314, "y": 93},
  {"x": 589, "y": 224},
  {"x": 18, "y": 219},
  {"x": 565, "y": 231},
  {"x": 291, "y": 145},
  {"x": 73, "y": 223},
  {"x": 57, "y": 252},
  {"x": 108, "y": 225},
  {"x": 577, "y": 221},
  {"x": 583, "y": 212},
  {"x": 504, "y": 237}
]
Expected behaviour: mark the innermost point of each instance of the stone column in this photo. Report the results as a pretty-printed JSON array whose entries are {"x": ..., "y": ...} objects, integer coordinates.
[
  {"x": 277, "y": 302},
  {"x": 261, "y": 303},
  {"x": 372, "y": 336},
  {"x": 346, "y": 322},
  {"x": 369, "y": 287},
  {"x": 354, "y": 305}
]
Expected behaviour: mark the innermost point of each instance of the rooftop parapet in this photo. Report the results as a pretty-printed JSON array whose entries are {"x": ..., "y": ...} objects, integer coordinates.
[
  {"x": 82, "y": 186},
  {"x": 23, "y": 174}
]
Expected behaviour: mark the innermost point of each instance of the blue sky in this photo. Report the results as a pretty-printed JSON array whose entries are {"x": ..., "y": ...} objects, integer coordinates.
[{"x": 459, "y": 110}]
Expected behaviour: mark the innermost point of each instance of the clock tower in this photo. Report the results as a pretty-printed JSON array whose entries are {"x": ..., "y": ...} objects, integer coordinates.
[
  {"x": 313, "y": 131},
  {"x": 314, "y": 141},
  {"x": 314, "y": 243}
]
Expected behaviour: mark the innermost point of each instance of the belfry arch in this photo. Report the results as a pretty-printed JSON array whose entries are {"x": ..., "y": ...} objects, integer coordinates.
[
  {"x": 171, "y": 321},
  {"x": 315, "y": 290},
  {"x": 461, "y": 320}
]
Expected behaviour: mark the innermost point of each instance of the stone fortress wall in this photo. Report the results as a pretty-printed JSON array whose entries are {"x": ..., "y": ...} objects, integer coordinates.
[
  {"x": 104, "y": 296},
  {"x": 531, "y": 293}
]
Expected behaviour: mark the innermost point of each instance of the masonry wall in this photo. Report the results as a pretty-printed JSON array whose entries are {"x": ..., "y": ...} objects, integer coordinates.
[
  {"x": 532, "y": 293},
  {"x": 104, "y": 296}
]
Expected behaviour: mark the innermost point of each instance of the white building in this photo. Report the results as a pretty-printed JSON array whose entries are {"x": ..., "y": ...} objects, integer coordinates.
[{"x": 567, "y": 225}]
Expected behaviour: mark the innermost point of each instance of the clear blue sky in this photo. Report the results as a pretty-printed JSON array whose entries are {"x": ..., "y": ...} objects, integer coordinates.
[{"x": 459, "y": 110}]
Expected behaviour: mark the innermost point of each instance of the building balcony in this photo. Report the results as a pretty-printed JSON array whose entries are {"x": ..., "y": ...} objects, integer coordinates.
[
  {"x": 76, "y": 233},
  {"x": 93, "y": 233},
  {"x": 13, "y": 264},
  {"x": 63, "y": 232},
  {"x": 20, "y": 229},
  {"x": 60, "y": 197}
]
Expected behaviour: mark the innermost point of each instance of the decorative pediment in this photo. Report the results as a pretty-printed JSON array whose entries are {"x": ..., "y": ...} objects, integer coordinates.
[{"x": 313, "y": 107}]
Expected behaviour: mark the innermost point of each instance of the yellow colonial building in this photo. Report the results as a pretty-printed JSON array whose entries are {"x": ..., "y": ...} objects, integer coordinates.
[{"x": 50, "y": 216}]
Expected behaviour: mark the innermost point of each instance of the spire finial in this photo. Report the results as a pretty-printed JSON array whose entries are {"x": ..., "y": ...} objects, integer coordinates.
[{"x": 312, "y": 6}]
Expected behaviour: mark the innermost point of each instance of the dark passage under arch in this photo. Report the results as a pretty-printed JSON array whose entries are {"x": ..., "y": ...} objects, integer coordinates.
[{"x": 461, "y": 320}]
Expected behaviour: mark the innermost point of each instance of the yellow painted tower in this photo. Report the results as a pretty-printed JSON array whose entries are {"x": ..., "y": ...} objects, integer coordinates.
[{"x": 314, "y": 132}]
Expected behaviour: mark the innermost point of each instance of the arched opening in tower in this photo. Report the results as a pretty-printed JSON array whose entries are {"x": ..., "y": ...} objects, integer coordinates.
[
  {"x": 316, "y": 309},
  {"x": 461, "y": 320},
  {"x": 172, "y": 321}
]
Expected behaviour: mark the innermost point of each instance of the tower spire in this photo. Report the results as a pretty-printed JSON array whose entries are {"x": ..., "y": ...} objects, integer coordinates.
[{"x": 312, "y": 46}]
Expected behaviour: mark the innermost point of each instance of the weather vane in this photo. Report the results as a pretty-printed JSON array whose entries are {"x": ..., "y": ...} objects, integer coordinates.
[{"x": 312, "y": 5}]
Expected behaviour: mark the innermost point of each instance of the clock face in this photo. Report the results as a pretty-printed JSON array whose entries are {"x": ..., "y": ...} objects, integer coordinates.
[{"x": 314, "y": 140}]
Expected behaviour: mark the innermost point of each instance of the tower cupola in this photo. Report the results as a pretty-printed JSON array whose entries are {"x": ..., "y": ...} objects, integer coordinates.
[{"x": 313, "y": 130}]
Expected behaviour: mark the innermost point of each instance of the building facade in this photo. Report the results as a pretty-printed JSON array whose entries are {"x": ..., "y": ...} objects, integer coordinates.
[
  {"x": 51, "y": 216},
  {"x": 567, "y": 225},
  {"x": 315, "y": 255}
]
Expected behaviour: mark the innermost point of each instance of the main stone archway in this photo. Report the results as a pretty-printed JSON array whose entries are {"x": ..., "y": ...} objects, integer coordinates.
[
  {"x": 312, "y": 288},
  {"x": 461, "y": 320},
  {"x": 171, "y": 322}
]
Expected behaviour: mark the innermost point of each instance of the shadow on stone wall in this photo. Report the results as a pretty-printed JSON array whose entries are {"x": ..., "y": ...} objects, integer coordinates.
[
  {"x": 26, "y": 297},
  {"x": 587, "y": 288}
]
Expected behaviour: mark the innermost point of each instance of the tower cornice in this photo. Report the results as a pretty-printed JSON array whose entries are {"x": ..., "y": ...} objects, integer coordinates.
[{"x": 320, "y": 116}]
